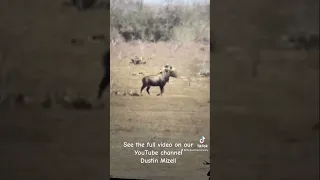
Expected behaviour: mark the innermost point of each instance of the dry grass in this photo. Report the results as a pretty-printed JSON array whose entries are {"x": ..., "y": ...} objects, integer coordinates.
[
  {"x": 181, "y": 115},
  {"x": 262, "y": 126},
  {"x": 51, "y": 144}
]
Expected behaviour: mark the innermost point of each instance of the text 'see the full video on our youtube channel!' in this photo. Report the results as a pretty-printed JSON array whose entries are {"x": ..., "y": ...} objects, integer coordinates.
[{"x": 164, "y": 152}]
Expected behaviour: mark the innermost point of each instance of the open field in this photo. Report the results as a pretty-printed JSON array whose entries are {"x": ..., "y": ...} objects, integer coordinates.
[
  {"x": 56, "y": 143},
  {"x": 262, "y": 127},
  {"x": 182, "y": 115}
]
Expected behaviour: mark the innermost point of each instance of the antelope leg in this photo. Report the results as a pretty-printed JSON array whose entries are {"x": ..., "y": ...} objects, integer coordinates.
[
  {"x": 143, "y": 86},
  {"x": 162, "y": 89},
  {"x": 148, "y": 90}
]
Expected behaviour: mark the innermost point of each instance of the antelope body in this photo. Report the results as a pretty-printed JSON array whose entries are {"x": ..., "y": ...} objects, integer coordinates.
[{"x": 157, "y": 80}]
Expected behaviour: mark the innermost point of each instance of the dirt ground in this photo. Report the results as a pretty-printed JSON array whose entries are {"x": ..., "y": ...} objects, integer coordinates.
[
  {"x": 182, "y": 115},
  {"x": 261, "y": 128}
]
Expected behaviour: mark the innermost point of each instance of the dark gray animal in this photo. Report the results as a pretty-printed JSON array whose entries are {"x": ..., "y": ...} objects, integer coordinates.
[
  {"x": 106, "y": 78},
  {"x": 83, "y": 4},
  {"x": 157, "y": 80},
  {"x": 305, "y": 40}
]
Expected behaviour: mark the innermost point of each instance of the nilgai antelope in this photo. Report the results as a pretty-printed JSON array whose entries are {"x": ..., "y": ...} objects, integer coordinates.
[
  {"x": 157, "y": 80},
  {"x": 106, "y": 78}
]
